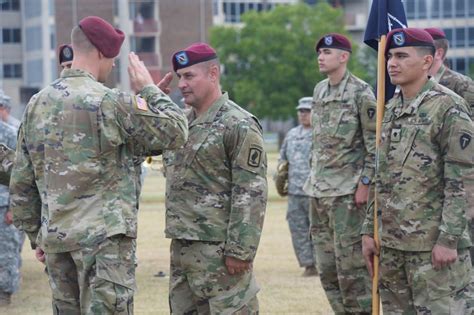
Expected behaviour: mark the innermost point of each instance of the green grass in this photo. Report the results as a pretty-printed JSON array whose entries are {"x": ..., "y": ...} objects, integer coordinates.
[{"x": 283, "y": 290}]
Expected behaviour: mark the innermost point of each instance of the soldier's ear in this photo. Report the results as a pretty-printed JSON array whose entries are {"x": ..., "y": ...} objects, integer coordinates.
[{"x": 427, "y": 62}]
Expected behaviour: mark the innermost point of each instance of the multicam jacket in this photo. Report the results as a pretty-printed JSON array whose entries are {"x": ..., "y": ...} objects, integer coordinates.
[
  {"x": 460, "y": 84},
  {"x": 216, "y": 183},
  {"x": 426, "y": 151},
  {"x": 343, "y": 137},
  {"x": 74, "y": 183}
]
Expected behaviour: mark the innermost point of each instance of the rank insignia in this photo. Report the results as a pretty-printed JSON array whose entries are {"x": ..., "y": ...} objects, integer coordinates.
[{"x": 396, "y": 135}]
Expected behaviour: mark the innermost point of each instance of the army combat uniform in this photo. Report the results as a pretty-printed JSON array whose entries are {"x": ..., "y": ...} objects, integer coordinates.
[
  {"x": 426, "y": 148},
  {"x": 10, "y": 238},
  {"x": 216, "y": 195},
  {"x": 74, "y": 190},
  {"x": 296, "y": 149},
  {"x": 7, "y": 157},
  {"x": 343, "y": 120}
]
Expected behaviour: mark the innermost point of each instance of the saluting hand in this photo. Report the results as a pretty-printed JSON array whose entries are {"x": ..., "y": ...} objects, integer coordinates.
[
  {"x": 236, "y": 266},
  {"x": 443, "y": 256},
  {"x": 165, "y": 82},
  {"x": 138, "y": 73}
]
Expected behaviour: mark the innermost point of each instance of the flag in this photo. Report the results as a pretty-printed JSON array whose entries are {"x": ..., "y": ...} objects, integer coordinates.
[{"x": 385, "y": 15}]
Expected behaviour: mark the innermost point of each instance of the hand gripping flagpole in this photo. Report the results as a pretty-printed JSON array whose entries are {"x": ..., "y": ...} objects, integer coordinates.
[{"x": 380, "y": 111}]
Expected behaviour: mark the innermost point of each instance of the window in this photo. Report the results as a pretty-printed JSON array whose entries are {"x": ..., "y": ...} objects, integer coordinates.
[
  {"x": 422, "y": 11},
  {"x": 449, "y": 34},
  {"x": 34, "y": 71},
  {"x": 143, "y": 44},
  {"x": 460, "y": 8},
  {"x": 470, "y": 36},
  {"x": 11, "y": 35},
  {"x": 460, "y": 37},
  {"x": 51, "y": 7},
  {"x": 11, "y": 71},
  {"x": 10, "y": 5},
  {"x": 470, "y": 9},
  {"x": 460, "y": 65},
  {"x": 32, "y": 8},
  {"x": 447, "y": 8},
  {"x": 52, "y": 37},
  {"x": 435, "y": 9},
  {"x": 410, "y": 9},
  {"x": 33, "y": 38}
]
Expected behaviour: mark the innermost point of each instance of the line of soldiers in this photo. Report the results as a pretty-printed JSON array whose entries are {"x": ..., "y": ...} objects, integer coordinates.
[
  {"x": 74, "y": 186},
  {"x": 423, "y": 180}
]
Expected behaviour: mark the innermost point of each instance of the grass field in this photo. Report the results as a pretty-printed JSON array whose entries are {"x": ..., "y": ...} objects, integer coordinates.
[{"x": 283, "y": 290}]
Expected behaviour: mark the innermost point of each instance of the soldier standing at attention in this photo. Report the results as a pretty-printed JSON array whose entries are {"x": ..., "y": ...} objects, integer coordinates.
[
  {"x": 296, "y": 151},
  {"x": 216, "y": 194},
  {"x": 10, "y": 238},
  {"x": 73, "y": 183},
  {"x": 426, "y": 148},
  {"x": 460, "y": 84},
  {"x": 343, "y": 121}
]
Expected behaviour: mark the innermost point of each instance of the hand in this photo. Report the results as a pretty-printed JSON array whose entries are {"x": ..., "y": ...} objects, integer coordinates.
[
  {"x": 236, "y": 266},
  {"x": 369, "y": 249},
  {"x": 8, "y": 217},
  {"x": 138, "y": 73},
  {"x": 442, "y": 256},
  {"x": 39, "y": 254},
  {"x": 362, "y": 195},
  {"x": 165, "y": 82}
]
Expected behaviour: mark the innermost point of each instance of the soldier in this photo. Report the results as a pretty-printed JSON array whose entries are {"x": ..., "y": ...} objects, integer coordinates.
[
  {"x": 425, "y": 150},
  {"x": 5, "y": 109},
  {"x": 73, "y": 183},
  {"x": 216, "y": 194},
  {"x": 10, "y": 238},
  {"x": 7, "y": 156},
  {"x": 343, "y": 120},
  {"x": 296, "y": 151},
  {"x": 65, "y": 56},
  {"x": 460, "y": 84}
]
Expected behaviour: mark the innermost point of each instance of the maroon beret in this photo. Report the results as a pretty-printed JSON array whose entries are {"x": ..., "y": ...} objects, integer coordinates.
[
  {"x": 334, "y": 40},
  {"x": 102, "y": 35},
  {"x": 196, "y": 53},
  {"x": 65, "y": 53},
  {"x": 436, "y": 33},
  {"x": 408, "y": 37}
]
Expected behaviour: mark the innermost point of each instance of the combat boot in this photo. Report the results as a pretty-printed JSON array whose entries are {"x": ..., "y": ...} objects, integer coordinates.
[
  {"x": 311, "y": 271},
  {"x": 5, "y": 298}
]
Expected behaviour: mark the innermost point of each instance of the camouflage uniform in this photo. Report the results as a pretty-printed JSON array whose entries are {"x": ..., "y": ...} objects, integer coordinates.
[
  {"x": 216, "y": 195},
  {"x": 463, "y": 86},
  {"x": 296, "y": 149},
  {"x": 343, "y": 120},
  {"x": 10, "y": 240},
  {"x": 425, "y": 151},
  {"x": 7, "y": 157},
  {"x": 73, "y": 187}
]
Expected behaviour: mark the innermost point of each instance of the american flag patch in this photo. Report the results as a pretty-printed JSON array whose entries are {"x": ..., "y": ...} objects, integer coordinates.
[{"x": 141, "y": 104}]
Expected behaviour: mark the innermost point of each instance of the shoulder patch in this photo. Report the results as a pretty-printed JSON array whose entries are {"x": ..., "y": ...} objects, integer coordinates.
[
  {"x": 464, "y": 140},
  {"x": 255, "y": 157},
  {"x": 140, "y": 103}
]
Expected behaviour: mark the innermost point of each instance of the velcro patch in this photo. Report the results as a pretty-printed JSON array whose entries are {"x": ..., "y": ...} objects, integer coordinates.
[
  {"x": 141, "y": 104},
  {"x": 255, "y": 157},
  {"x": 464, "y": 140}
]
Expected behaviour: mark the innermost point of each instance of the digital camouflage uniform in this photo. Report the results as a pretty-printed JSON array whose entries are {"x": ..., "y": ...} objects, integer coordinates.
[
  {"x": 296, "y": 149},
  {"x": 463, "y": 86},
  {"x": 10, "y": 238},
  {"x": 73, "y": 185},
  {"x": 7, "y": 157},
  {"x": 216, "y": 195},
  {"x": 343, "y": 120},
  {"x": 425, "y": 151}
]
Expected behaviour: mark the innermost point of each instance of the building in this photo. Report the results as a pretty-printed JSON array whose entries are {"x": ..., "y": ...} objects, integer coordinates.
[
  {"x": 456, "y": 18},
  {"x": 33, "y": 29}
]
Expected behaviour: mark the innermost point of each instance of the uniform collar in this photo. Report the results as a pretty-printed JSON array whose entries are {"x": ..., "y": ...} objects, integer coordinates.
[
  {"x": 210, "y": 114},
  {"x": 412, "y": 108},
  {"x": 440, "y": 73},
  {"x": 340, "y": 91},
  {"x": 68, "y": 73}
]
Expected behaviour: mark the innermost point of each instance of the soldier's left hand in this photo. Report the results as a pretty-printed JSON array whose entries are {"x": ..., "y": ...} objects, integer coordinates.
[
  {"x": 236, "y": 266},
  {"x": 443, "y": 256},
  {"x": 8, "y": 217},
  {"x": 138, "y": 73}
]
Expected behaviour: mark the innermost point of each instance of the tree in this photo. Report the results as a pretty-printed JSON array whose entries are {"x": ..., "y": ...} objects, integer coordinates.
[{"x": 270, "y": 62}]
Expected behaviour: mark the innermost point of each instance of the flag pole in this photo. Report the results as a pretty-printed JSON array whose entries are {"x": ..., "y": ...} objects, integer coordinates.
[{"x": 380, "y": 110}]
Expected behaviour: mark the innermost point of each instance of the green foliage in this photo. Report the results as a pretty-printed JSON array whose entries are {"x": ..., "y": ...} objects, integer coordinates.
[{"x": 270, "y": 62}]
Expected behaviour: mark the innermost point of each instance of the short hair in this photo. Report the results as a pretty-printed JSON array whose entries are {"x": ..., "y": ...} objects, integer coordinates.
[
  {"x": 79, "y": 41},
  {"x": 442, "y": 43},
  {"x": 425, "y": 50}
]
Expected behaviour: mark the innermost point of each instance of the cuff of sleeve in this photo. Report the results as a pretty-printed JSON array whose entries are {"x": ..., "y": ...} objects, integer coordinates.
[
  {"x": 239, "y": 252},
  {"x": 149, "y": 90},
  {"x": 369, "y": 173},
  {"x": 448, "y": 240},
  {"x": 32, "y": 237},
  {"x": 367, "y": 228}
]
